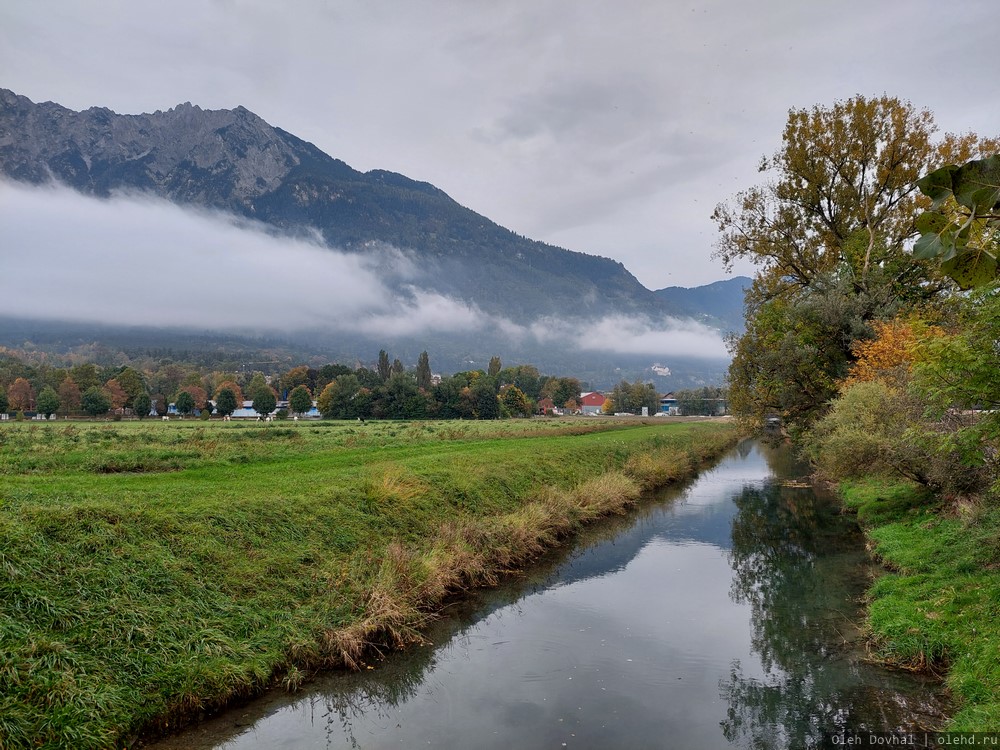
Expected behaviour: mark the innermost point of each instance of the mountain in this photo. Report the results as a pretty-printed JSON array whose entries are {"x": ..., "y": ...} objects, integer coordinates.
[
  {"x": 235, "y": 161},
  {"x": 574, "y": 313},
  {"x": 719, "y": 304}
]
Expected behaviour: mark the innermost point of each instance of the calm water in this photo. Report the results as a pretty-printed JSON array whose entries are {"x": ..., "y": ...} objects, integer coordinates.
[{"x": 721, "y": 615}]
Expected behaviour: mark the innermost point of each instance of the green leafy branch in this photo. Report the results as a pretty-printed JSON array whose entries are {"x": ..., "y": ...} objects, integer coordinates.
[{"x": 962, "y": 227}]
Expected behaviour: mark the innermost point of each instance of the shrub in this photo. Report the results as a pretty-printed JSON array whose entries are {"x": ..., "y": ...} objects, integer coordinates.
[
  {"x": 862, "y": 434},
  {"x": 874, "y": 428}
]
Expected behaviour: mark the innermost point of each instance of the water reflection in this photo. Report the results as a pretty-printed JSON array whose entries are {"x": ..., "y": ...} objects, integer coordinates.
[
  {"x": 719, "y": 616},
  {"x": 798, "y": 562}
]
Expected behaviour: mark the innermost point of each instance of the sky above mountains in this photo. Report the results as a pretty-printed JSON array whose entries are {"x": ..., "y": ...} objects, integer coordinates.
[{"x": 608, "y": 128}]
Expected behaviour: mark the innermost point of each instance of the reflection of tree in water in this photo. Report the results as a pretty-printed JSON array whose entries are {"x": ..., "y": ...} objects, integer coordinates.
[
  {"x": 798, "y": 564},
  {"x": 793, "y": 559}
]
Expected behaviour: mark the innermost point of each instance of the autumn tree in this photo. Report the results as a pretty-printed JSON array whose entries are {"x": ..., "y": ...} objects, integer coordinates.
[
  {"x": 515, "y": 402},
  {"x": 295, "y": 377},
  {"x": 891, "y": 353},
  {"x": 494, "y": 367},
  {"x": 69, "y": 395},
  {"x": 424, "y": 372},
  {"x": 525, "y": 377},
  {"x": 198, "y": 394},
  {"x": 842, "y": 197},
  {"x": 48, "y": 401},
  {"x": 329, "y": 372},
  {"x": 21, "y": 395},
  {"x": 829, "y": 231},
  {"x": 339, "y": 400},
  {"x": 397, "y": 368},
  {"x": 300, "y": 399},
  {"x": 117, "y": 394},
  {"x": 561, "y": 390},
  {"x": 132, "y": 382}
]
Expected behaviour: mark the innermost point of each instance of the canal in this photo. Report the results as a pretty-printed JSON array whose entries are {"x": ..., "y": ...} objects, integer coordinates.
[{"x": 723, "y": 613}]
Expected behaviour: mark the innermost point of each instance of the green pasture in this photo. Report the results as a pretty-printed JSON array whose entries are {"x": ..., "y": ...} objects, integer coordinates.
[{"x": 152, "y": 571}]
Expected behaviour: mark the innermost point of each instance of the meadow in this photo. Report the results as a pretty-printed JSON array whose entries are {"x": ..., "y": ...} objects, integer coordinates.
[{"x": 153, "y": 572}]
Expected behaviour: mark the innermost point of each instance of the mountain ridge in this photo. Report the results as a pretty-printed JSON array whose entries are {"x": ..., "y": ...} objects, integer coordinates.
[{"x": 235, "y": 161}]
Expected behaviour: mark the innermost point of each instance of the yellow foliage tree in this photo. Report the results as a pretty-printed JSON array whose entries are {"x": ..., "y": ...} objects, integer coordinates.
[{"x": 889, "y": 357}]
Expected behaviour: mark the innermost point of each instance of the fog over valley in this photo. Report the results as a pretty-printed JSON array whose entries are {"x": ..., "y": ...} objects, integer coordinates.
[{"x": 136, "y": 260}]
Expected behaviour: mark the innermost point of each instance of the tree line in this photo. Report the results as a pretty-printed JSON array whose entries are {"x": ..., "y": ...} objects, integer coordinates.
[{"x": 388, "y": 390}]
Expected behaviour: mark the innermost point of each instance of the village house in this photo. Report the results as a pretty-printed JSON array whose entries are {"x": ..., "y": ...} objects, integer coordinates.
[
  {"x": 592, "y": 402},
  {"x": 668, "y": 405}
]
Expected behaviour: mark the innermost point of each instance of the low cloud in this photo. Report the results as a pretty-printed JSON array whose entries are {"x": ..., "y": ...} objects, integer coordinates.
[
  {"x": 624, "y": 334},
  {"x": 138, "y": 260}
]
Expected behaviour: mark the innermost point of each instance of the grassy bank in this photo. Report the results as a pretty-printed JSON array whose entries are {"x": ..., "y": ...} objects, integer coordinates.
[
  {"x": 940, "y": 607},
  {"x": 150, "y": 572}
]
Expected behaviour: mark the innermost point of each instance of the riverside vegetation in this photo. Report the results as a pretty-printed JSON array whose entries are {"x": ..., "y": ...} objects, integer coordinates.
[
  {"x": 871, "y": 334},
  {"x": 152, "y": 572}
]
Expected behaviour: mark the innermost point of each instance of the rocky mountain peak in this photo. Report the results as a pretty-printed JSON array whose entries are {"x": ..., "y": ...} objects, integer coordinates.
[{"x": 183, "y": 153}]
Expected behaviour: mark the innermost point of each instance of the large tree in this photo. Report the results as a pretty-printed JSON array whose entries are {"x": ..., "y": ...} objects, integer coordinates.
[
  {"x": 141, "y": 405},
  {"x": 830, "y": 232},
  {"x": 226, "y": 402},
  {"x": 424, "y": 371},
  {"x": 95, "y": 401},
  {"x": 234, "y": 388},
  {"x": 48, "y": 401},
  {"x": 21, "y": 395},
  {"x": 69, "y": 395},
  {"x": 384, "y": 367},
  {"x": 841, "y": 197},
  {"x": 264, "y": 401},
  {"x": 184, "y": 402},
  {"x": 343, "y": 398},
  {"x": 301, "y": 375},
  {"x": 300, "y": 399},
  {"x": 133, "y": 383}
]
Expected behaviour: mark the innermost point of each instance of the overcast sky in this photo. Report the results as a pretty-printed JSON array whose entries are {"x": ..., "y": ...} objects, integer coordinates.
[{"x": 611, "y": 128}]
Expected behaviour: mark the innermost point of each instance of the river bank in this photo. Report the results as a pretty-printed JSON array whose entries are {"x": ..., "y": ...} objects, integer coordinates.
[
  {"x": 939, "y": 607},
  {"x": 722, "y": 611},
  {"x": 154, "y": 573}
]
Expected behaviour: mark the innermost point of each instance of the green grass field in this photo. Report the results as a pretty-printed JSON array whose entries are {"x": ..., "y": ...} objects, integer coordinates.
[
  {"x": 940, "y": 607},
  {"x": 150, "y": 572}
]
